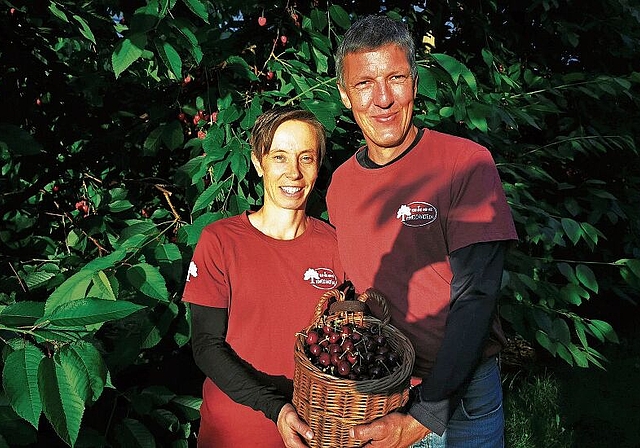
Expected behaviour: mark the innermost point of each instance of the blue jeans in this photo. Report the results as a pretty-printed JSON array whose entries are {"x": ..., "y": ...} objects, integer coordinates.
[{"x": 479, "y": 420}]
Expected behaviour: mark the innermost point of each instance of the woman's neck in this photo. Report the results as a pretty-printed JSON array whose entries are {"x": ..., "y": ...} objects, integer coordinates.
[{"x": 280, "y": 224}]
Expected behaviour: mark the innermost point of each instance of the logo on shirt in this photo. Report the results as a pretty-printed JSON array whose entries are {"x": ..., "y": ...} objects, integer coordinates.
[
  {"x": 321, "y": 278},
  {"x": 417, "y": 214},
  {"x": 193, "y": 271}
]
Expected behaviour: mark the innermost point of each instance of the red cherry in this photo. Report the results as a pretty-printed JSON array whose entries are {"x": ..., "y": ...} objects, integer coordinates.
[
  {"x": 56, "y": 188},
  {"x": 214, "y": 117},
  {"x": 315, "y": 349},
  {"x": 262, "y": 21},
  {"x": 283, "y": 39},
  {"x": 182, "y": 116},
  {"x": 270, "y": 75},
  {"x": 196, "y": 119},
  {"x": 347, "y": 345},
  {"x": 324, "y": 359},
  {"x": 187, "y": 79},
  {"x": 344, "y": 368},
  {"x": 352, "y": 357},
  {"x": 312, "y": 337},
  {"x": 334, "y": 337},
  {"x": 201, "y": 134}
]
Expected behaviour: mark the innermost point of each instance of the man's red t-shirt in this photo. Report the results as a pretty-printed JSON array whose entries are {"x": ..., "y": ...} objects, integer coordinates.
[
  {"x": 270, "y": 288},
  {"x": 397, "y": 225}
]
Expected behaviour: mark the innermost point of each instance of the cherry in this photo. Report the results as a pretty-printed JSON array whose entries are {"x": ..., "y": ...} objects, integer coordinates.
[
  {"x": 347, "y": 345},
  {"x": 312, "y": 337},
  {"x": 344, "y": 368},
  {"x": 324, "y": 359},
  {"x": 270, "y": 75},
  {"x": 315, "y": 349},
  {"x": 262, "y": 21},
  {"x": 283, "y": 39},
  {"x": 334, "y": 337}
]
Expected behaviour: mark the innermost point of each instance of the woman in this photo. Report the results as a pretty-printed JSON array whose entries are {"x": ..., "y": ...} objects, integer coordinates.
[{"x": 254, "y": 282}]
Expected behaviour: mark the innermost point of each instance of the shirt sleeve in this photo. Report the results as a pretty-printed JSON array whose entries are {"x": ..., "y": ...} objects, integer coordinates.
[
  {"x": 477, "y": 274},
  {"x": 234, "y": 376}
]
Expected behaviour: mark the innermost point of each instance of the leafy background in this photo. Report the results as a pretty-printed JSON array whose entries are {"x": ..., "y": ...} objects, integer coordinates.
[{"x": 124, "y": 130}]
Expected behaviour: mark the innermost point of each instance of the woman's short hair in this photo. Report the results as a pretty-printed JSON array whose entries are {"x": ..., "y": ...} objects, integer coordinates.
[{"x": 267, "y": 123}]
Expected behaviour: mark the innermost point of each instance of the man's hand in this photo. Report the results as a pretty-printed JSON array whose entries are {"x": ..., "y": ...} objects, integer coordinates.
[
  {"x": 394, "y": 430},
  {"x": 291, "y": 427}
]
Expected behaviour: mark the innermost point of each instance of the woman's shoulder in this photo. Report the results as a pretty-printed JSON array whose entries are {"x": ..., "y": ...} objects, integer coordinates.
[{"x": 323, "y": 227}]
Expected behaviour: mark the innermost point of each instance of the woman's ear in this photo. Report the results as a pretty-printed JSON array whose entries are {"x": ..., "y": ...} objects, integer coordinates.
[{"x": 256, "y": 165}]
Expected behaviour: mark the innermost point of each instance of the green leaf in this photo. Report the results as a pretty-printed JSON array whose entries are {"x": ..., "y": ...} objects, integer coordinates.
[
  {"x": 57, "y": 12},
  {"x": 190, "y": 234},
  {"x": 21, "y": 314},
  {"x": 579, "y": 356},
  {"x": 572, "y": 229},
  {"x": 84, "y": 29},
  {"x": 560, "y": 331},
  {"x": 61, "y": 403},
  {"x": 573, "y": 294},
  {"x": 566, "y": 270},
  {"x": 240, "y": 163},
  {"x": 339, "y": 16},
  {"x": 451, "y": 65},
  {"x": 207, "y": 197},
  {"x": 127, "y": 52},
  {"x": 587, "y": 277},
  {"x": 182, "y": 26},
  {"x": 132, "y": 433},
  {"x": 120, "y": 205},
  {"x": 20, "y": 382},
  {"x": 152, "y": 142},
  {"x": 325, "y": 111},
  {"x": 477, "y": 115},
  {"x": 199, "y": 8},
  {"x": 171, "y": 58},
  {"x": 318, "y": 19},
  {"x": 188, "y": 406},
  {"x": 172, "y": 135},
  {"x": 605, "y": 329},
  {"x": 74, "y": 288},
  {"x": 427, "y": 83},
  {"x": 19, "y": 141},
  {"x": 148, "y": 280},
  {"x": 90, "y": 311},
  {"x": 545, "y": 342},
  {"x": 86, "y": 368},
  {"x": 160, "y": 325}
]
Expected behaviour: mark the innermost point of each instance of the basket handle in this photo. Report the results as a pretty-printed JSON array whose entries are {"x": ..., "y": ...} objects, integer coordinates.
[
  {"x": 380, "y": 300},
  {"x": 322, "y": 303}
]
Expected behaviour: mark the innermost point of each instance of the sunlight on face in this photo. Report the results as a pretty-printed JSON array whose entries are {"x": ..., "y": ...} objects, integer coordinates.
[
  {"x": 290, "y": 168},
  {"x": 379, "y": 89}
]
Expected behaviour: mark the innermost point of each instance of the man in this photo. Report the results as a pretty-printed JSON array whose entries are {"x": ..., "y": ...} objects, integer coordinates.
[{"x": 422, "y": 217}]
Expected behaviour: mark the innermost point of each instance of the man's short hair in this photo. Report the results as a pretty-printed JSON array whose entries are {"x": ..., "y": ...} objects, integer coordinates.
[{"x": 371, "y": 32}]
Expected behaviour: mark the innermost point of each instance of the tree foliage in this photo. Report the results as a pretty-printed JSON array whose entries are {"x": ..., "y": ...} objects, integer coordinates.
[{"x": 124, "y": 132}]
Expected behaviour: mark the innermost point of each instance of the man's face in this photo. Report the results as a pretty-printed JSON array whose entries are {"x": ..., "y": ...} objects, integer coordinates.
[
  {"x": 379, "y": 90},
  {"x": 290, "y": 168}
]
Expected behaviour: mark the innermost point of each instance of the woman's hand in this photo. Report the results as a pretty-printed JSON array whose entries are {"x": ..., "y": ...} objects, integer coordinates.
[{"x": 291, "y": 428}]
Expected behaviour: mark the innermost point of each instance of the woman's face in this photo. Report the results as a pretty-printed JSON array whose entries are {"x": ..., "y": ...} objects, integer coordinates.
[{"x": 290, "y": 168}]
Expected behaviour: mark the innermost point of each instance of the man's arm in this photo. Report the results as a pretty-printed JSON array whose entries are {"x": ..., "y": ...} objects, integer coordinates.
[{"x": 477, "y": 274}]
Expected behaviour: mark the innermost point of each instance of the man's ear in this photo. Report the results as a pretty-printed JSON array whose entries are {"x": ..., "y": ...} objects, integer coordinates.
[
  {"x": 343, "y": 96},
  {"x": 415, "y": 87},
  {"x": 256, "y": 165}
]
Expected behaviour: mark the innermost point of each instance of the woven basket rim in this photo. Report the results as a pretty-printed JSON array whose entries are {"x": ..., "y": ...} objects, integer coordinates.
[{"x": 398, "y": 378}]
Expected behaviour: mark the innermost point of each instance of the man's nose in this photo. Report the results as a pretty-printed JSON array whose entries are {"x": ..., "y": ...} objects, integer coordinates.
[
  {"x": 383, "y": 96},
  {"x": 293, "y": 171}
]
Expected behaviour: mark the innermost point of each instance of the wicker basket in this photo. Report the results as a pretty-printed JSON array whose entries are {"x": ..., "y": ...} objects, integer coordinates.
[{"x": 332, "y": 405}]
